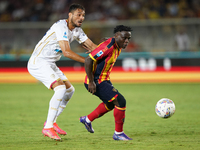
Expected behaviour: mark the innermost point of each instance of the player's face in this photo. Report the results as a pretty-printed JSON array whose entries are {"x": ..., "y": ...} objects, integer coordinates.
[
  {"x": 123, "y": 38},
  {"x": 77, "y": 17}
]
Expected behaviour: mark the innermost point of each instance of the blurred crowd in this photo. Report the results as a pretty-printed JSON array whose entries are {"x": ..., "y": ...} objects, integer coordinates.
[{"x": 102, "y": 10}]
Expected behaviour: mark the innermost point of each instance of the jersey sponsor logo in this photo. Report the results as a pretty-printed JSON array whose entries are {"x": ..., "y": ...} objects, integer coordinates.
[
  {"x": 83, "y": 34},
  {"x": 57, "y": 50},
  {"x": 99, "y": 53},
  {"x": 65, "y": 35}
]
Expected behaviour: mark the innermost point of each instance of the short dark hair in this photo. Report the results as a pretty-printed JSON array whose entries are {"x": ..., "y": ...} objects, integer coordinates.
[
  {"x": 120, "y": 28},
  {"x": 74, "y": 7}
]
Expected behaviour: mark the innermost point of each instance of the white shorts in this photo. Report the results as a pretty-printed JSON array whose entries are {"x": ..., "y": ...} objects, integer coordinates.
[{"x": 47, "y": 73}]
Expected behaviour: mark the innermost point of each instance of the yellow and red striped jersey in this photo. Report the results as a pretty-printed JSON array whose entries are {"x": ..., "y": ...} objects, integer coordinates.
[{"x": 104, "y": 56}]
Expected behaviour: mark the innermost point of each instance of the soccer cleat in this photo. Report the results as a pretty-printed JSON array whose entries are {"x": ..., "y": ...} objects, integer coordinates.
[
  {"x": 88, "y": 126},
  {"x": 50, "y": 132},
  {"x": 57, "y": 129},
  {"x": 121, "y": 136}
]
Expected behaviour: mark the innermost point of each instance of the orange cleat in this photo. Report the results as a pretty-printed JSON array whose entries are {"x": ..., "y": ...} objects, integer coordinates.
[
  {"x": 50, "y": 132},
  {"x": 57, "y": 129}
]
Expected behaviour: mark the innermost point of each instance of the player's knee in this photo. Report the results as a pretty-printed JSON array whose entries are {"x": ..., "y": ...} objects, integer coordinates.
[
  {"x": 56, "y": 84},
  {"x": 60, "y": 89},
  {"x": 110, "y": 105},
  {"x": 121, "y": 100}
]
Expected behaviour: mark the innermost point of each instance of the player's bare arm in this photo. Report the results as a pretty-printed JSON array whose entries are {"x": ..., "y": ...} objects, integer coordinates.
[
  {"x": 67, "y": 52},
  {"x": 88, "y": 70},
  {"x": 89, "y": 45}
]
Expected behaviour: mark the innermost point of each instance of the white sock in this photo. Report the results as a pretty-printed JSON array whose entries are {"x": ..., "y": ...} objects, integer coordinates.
[
  {"x": 88, "y": 120},
  {"x": 67, "y": 96},
  {"x": 119, "y": 132},
  {"x": 54, "y": 105}
]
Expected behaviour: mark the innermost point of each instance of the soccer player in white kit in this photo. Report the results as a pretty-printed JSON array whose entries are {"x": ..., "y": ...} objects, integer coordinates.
[{"x": 42, "y": 65}]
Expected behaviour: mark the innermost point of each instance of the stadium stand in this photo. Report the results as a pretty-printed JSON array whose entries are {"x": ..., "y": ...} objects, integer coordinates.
[{"x": 51, "y": 10}]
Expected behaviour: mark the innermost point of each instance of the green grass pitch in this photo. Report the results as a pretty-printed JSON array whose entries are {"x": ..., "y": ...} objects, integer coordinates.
[{"x": 23, "y": 110}]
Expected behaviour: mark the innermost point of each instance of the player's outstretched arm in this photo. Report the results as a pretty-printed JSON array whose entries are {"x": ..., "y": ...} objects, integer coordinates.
[
  {"x": 88, "y": 70},
  {"x": 89, "y": 45},
  {"x": 67, "y": 52}
]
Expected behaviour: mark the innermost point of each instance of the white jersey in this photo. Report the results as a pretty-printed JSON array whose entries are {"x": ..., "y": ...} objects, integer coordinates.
[{"x": 48, "y": 48}]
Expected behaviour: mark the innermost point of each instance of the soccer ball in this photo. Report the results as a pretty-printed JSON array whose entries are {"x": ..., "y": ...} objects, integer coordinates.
[{"x": 165, "y": 108}]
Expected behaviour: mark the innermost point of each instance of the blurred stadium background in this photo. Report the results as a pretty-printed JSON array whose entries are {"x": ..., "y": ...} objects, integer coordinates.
[{"x": 152, "y": 55}]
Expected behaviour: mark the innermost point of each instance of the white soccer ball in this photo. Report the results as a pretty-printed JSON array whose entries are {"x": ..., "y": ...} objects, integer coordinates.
[{"x": 165, "y": 108}]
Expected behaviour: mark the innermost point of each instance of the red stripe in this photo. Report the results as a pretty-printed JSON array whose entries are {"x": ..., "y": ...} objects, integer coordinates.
[
  {"x": 100, "y": 77},
  {"x": 114, "y": 69},
  {"x": 86, "y": 80},
  {"x": 113, "y": 98},
  {"x": 111, "y": 66},
  {"x": 52, "y": 84},
  {"x": 20, "y": 69}
]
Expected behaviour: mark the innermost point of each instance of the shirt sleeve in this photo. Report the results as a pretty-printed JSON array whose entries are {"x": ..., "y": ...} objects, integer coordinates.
[
  {"x": 100, "y": 52},
  {"x": 61, "y": 31},
  {"x": 82, "y": 36}
]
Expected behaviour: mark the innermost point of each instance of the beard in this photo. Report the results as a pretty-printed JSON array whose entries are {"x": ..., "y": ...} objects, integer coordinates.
[{"x": 74, "y": 24}]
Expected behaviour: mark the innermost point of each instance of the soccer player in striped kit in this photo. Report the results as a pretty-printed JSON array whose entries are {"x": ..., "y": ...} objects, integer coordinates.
[
  {"x": 98, "y": 66},
  {"x": 42, "y": 66}
]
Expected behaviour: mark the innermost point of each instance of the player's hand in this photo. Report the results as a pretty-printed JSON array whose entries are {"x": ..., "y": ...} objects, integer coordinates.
[
  {"x": 92, "y": 87},
  {"x": 85, "y": 47},
  {"x": 89, "y": 51}
]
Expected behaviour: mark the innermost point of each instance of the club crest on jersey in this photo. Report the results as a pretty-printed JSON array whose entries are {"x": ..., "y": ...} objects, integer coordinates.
[
  {"x": 65, "y": 35},
  {"x": 99, "y": 53}
]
